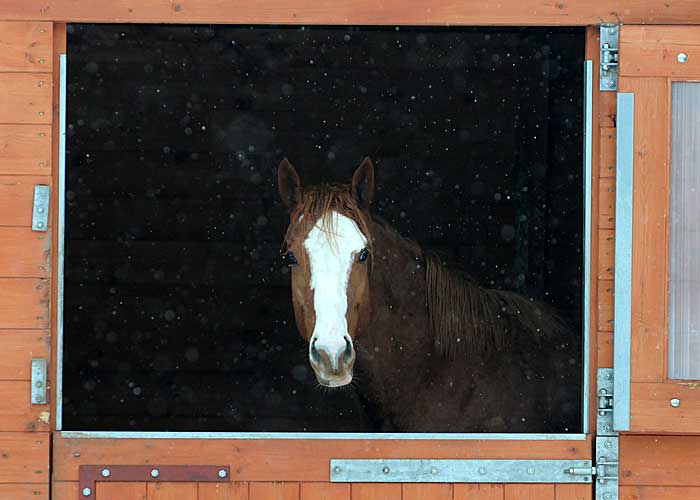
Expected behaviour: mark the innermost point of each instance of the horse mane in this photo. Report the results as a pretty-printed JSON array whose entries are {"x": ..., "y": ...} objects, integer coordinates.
[{"x": 468, "y": 318}]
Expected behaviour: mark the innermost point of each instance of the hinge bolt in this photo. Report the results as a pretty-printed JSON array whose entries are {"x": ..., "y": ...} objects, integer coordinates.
[
  {"x": 87, "y": 492},
  {"x": 105, "y": 472},
  {"x": 155, "y": 473},
  {"x": 607, "y": 427},
  {"x": 675, "y": 402},
  {"x": 222, "y": 473},
  {"x": 608, "y": 444},
  {"x": 682, "y": 57}
]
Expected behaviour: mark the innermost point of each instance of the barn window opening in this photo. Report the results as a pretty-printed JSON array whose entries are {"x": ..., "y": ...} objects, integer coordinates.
[{"x": 324, "y": 229}]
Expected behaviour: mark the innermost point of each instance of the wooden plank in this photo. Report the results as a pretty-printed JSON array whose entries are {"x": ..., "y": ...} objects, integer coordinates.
[
  {"x": 16, "y": 198},
  {"x": 608, "y": 109},
  {"x": 659, "y": 460},
  {"x": 321, "y": 491},
  {"x": 25, "y": 149},
  {"x": 18, "y": 347},
  {"x": 605, "y": 349},
  {"x": 653, "y": 51},
  {"x": 273, "y": 491},
  {"x": 25, "y": 98},
  {"x": 606, "y": 305},
  {"x": 223, "y": 491},
  {"x": 478, "y": 492},
  {"x": 426, "y": 491},
  {"x": 16, "y": 412},
  {"x": 391, "y": 12},
  {"x": 658, "y": 493},
  {"x": 120, "y": 491},
  {"x": 374, "y": 491},
  {"x": 24, "y": 303},
  {"x": 26, "y": 46},
  {"x": 24, "y": 253},
  {"x": 573, "y": 491},
  {"x": 168, "y": 491},
  {"x": 24, "y": 457},
  {"x": 608, "y": 153},
  {"x": 64, "y": 490},
  {"x": 606, "y": 206},
  {"x": 290, "y": 460},
  {"x": 652, "y": 411},
  {"x": 529, "y": 492},
  {"x": 25, "y": 492},
  {"x": 606, "y": 255}
]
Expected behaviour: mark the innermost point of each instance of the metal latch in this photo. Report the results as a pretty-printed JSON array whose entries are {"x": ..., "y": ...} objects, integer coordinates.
[
  {"x": 38, "y": 381},
  {"x": 40, "y": 213},
  {"x": 609, "y": 56}
]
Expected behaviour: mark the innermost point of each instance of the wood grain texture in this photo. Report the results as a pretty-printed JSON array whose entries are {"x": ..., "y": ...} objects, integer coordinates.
[
  {"x": 426, "y": 491},
  {"x": 24, "y": 457},
  {"x": 321, "y": 491},
  {"x": 608, "y": 154},
  {"x": 606, "y": 206},
  {"x": 273, "y": 491},
  {"x": 24, "y": 303},
  {"x": 24, "y": 253},
  {"x": 223, "y": 491},
  {"x": 16, "y": 198},
  {"x": 64, "y": 490},
  {"x": 392, "y": 12},
  {"x": 529, "y": 492},
  {"x": 18, "y": 347},
  {"x": 653, "y": 51},
  {"x": 16, "y": 411},
  {"x": 606, "y": 305},
  {"x": 375, "y": 491},
  {"x": 478, "y": 492},
  {"x": 658, "y": 493},
  {"x": 653, "y": 413},
  {"x": 573, "y": 491},
  {"x": 659, "y": 461},
  {"x": 289, "y": 460},
  {"x": 120, "y": 491},
  {"x": 608, "y": 109},
  {"x": 25, "y": 149},
  {"x": 606, "y": 254},
  {"x": 170, "y": 491},
  {"x": 605, "y": 349},
  {"x": 25, "y": 98},
  {"x": 26, "y": 46},
  {"x": 25, "y": 492}
]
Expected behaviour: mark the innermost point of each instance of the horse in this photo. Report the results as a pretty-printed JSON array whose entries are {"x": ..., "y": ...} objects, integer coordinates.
[{"x": 437, "y": 352}]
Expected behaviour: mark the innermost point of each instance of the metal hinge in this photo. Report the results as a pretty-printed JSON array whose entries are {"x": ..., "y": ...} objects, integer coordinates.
[{"x": 609, "y": 56}]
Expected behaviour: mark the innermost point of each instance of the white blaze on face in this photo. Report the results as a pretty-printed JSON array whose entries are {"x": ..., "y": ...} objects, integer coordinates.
[{"x": 332, "y": 253}]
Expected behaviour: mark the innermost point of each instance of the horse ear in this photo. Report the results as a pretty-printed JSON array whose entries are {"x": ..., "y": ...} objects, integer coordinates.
[
  {"x": 363, "y": 184},
  {"x": 288, "y": 184}
]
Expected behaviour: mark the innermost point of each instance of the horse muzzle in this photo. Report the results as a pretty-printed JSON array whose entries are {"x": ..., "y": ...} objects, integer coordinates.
[{"x": 332, "y": 363}]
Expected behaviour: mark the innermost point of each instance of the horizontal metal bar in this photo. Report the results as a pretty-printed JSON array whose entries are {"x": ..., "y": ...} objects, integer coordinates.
[
  {"x": 319, "y": 435},
  {"x": 459, "y": 471}
]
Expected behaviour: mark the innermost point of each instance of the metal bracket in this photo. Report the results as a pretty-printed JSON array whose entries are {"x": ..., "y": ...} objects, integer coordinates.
[
  {"x": 38, "y": 382},
  {"x": 604, "y": 420},
  {"x": 606, "y": 442},
  {"x": 40, "y": 213},
  {"x": 609, "y": 56}
]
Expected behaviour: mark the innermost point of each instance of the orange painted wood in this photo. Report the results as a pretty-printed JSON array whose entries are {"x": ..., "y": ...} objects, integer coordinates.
[
  {"x": 606, "y": 206},
  {"x": 605, "y": 349},
  {"x": 16, "y": 198},
  {"x": 608, "y": 109},
  {"x": 25, "y": 491},
  {"x": 25, "y": 149},
  {"x": 170, "y": 491},
  {"x": 24, "y": 303},
  {"x": 608, "y": 154},
  {"x": 478, "y": 492},
  {"x": 606, "y": 305},
  {"x": 375, "y": 491},
  {"x": 273, "y": 491},
  {"x": 289, "y": 460},
  {"x": 573, "y": 491},
  {"x": 16, "y": 411},
  {"x": 120, "y": 491},
  {"x": 223, "y": 491},
  {"x": 426, "y": 491},
  {"x": 529, "y": 492},
  {"x": 653, "y": 51},
  {"x": 658, "y": 493},
  {"x": 653, "y": 413},
  {"x": 25, "y": 97},
  {"x": 408, "y": 12},
  {"x": 24, "y": 457},
  {"x": 18, "y": 347},
  {"x": 321, "y": 491},
  {"x": 64, "y": 490},
  {"x": 24, "y": 253},
  {"x": 26, "y": 46},
  {"x": 606, "y": 255},
  {"x": 659, "y": 461}
]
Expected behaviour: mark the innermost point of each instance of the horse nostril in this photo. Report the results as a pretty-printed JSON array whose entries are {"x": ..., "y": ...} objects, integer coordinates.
[
  {"x": 315, "y": 356},
  {"x": 348, "y": 352}
]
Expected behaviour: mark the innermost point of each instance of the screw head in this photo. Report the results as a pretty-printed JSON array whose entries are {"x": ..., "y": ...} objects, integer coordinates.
[
  {"x": 608, "y": 444},
  {"x": 155, "y": 473},
  {"x": 482, "y": 470},
  {"x": 611, "y": 84},
  {"x": 675, "y": 402},
  {"x": 40, "y": 224},
  {"x": 531, "y": 471},
  {"x": 433, "y": 471},
  {"x": 608, "y": 376},
  {"x": 607, "y": 496},
  {"x": 682, "y": 57},
  {"x": 336, "y": 469},
  {"x": 222, "y": 473},
  {"x": 87, "y": 492},
  {"x": 386, "y": 470},
  {"x": 105, "y": 472}
]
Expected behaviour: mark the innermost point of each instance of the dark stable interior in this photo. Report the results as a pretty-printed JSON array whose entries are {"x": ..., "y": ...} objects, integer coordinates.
[{"x": 178, "y": 313}]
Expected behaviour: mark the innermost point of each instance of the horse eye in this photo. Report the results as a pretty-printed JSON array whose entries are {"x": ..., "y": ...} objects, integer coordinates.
[
  {"x": 363, "y": 255},
  {"x": 289, "y": 258}
]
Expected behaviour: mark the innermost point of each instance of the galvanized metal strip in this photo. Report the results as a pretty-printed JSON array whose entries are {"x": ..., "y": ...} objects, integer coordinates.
[
  {"x": 38, "y": 382},
  {"x": 607, "y": 468},
  {"x": 61, "y": 236},
  {"x": 624, "y": 189},
  {"x": 459, "y": 471},
  {"x": 40, "y": 211},
  {"x": 609, "y": 56},
  {"x": 605, "y": 409},
  {"x": 587, "y": 228}
]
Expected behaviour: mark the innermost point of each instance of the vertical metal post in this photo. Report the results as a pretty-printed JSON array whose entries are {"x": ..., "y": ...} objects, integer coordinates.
[
  {"x": 587, "y": 191},
  {"x": 61, "y": 237}
]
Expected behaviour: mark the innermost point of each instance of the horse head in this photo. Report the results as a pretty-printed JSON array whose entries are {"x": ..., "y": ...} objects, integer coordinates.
[{"x": 328, "y": 248}]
